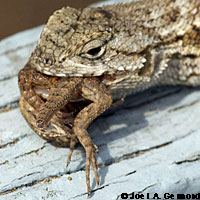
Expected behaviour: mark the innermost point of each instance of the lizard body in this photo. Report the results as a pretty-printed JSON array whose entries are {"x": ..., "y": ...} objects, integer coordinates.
[
  {"x": 103, "y": 54},
  {"x": 138, "y": 44}
]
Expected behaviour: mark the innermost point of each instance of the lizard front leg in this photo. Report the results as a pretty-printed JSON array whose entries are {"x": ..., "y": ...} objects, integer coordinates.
[
  {"x": 59, "y": 95},
  {"x": 96, "y": 92}
]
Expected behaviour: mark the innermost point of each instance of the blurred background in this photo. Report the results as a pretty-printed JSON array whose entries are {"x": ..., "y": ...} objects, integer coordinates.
[{"x": 19, "y": 15}]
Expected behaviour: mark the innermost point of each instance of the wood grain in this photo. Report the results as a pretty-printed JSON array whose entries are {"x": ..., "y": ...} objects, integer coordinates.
[{"x": 150, "y": 144}]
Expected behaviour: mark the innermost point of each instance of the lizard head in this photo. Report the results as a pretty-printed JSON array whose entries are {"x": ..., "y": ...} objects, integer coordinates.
[
  {"x": 111, "y": 40},
  {"x": 84, "y": 43},
  {"x": 73, "y": 42}
]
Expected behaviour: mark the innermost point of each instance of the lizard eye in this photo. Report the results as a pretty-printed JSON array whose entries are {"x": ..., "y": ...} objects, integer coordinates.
[
  {"x": 95, "y": 53},
  {"x": 94, "y": 49}
]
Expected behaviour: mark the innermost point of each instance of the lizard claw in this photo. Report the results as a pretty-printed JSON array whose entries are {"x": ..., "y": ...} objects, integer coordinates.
[
  {"x": 96, "y": 148},
  {"x": 90, "y": 157},
  {"x": 72, "y": 144}
]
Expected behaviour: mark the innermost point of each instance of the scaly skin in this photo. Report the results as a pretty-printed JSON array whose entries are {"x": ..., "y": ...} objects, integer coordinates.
[
  {"x": 140, "y": 44},
  {"x": 43, "y": 115},
  {"x": 125, "y": 48}
]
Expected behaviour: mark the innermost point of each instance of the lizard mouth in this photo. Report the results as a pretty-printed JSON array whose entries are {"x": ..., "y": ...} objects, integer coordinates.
[{"x": 69, "y": 111}]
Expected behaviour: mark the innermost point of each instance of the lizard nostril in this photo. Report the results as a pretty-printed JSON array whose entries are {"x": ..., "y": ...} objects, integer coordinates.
[{"x": 48, "y": 60}]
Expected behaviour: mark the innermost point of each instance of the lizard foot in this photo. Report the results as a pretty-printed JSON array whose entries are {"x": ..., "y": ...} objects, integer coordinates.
[
  {"x": 91, "y": 157},
  {"x": 73, "y": 141}
]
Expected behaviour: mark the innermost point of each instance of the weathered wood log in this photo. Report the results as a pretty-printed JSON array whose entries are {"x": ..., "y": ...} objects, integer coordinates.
[{"x": 148, "y": 145}]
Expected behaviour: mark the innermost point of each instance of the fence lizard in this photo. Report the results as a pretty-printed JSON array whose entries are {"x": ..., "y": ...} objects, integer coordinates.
[{"x": 129, "y": 47}]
